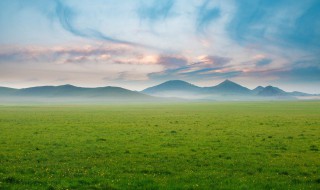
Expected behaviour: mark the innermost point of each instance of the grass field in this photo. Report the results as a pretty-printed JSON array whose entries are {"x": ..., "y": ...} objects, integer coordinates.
[{"x": 237, "y": 145}]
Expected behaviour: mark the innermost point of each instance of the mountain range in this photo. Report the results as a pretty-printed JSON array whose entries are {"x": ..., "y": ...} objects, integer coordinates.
[
  {"x": 227, "y": 90},
  {"x": 73, "y": 93}
]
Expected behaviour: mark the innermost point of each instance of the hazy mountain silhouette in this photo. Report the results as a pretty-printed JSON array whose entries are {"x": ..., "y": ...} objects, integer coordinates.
[
  {"x": 174, "y": 88},
  {"x": 227, "y": 90},
  {"x": 172, "y": 85},
  {"x": 272, "y": 91},
  {"x": 228, "y": 87},
  {"x": 178, "y": 88},
  {"x": 296, "y": 93},
  {"x": 6, "y": 91},
  {"x": 69, "y": 91},
  {"x": 257, "y": 90}
]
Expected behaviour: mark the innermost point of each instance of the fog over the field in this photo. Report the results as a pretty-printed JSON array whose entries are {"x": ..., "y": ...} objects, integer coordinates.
[{"x": 139, "y": 43}]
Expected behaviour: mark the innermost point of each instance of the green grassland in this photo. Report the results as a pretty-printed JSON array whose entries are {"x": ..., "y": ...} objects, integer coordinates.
[{"x": 235, "y": 145}]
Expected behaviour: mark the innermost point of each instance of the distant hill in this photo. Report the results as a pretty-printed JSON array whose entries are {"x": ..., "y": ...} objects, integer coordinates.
[
  {"x": 296, "y": 93},
  {"x": 228, "y": 87},
  {"x": 272, "y": 91},
  {"x": 174, "y": 88},
  {"x": 182, "y": 89},
  {"x": 69, "y": 91},
  {"x": 257, "y": 90},
  {"x": 4, "y": 91},
  {"x": 226, "y": 90}
]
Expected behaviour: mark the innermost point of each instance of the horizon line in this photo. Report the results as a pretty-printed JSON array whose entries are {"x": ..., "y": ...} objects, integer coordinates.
[{"x": 92, "y": 87}]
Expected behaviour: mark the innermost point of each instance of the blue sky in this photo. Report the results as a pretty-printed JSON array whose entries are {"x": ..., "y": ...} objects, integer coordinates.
[{"x": 138, "y": 43}]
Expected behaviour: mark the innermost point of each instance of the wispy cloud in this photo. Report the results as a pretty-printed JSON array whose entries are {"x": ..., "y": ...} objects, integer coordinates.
[
  {"x": 172, "y": 61},
  {"x": 155, "y": 10},
  {"x": 66, "y": 16},
  {"x": 214, "y": 60},
  {"x": 167, "y": 39},
  {"x": 60, "y": 55},
  {"x": 206, "y": 14},
  {"x": 276, "y": 23},
  {"x": 301, "y": 75},
  {"x": 263, "y": 62},
  {"x": 207, "y": 66}
]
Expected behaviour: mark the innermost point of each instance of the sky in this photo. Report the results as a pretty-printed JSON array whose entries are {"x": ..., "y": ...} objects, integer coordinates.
[{"x": 139, "y": 43}]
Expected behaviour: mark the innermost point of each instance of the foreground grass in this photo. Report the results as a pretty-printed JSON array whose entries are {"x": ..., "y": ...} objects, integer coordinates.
[{"x": 259, "y": 145}]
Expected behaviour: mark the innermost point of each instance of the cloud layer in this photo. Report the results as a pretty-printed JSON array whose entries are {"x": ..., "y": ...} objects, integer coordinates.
[{"x": 138, "y": 43}]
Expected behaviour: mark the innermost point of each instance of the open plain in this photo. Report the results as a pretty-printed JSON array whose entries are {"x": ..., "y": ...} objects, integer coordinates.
[{"x": 217, "y": 145}]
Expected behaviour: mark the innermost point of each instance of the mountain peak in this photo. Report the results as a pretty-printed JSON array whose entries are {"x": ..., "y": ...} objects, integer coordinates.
[
  {"x": 272, "y": 88},
  {"x": 172, "y": 85},
  {"x": 67, "y": 85},
  {"x": 176, "y": 82},
  {"x": 258, "y": 89},
  {"x": 230, "y": 87},
  {"x": 272, "y": 91},
  {"x": 228, "y": 82}
]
